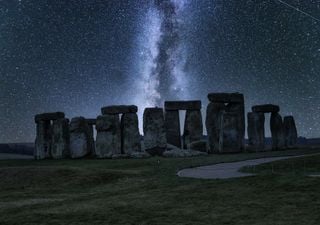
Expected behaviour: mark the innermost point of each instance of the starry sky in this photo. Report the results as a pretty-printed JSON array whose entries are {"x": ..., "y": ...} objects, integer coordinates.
[{"x": 76, "y": 56}]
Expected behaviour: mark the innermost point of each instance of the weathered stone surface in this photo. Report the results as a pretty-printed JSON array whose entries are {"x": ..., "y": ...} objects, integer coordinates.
[
  {"x": 130, "y": 133},
  {"x": 60, "y": 139},
  {"x": 193, "y": 128},
  {"x": 277, "y": 131},
  {"x": 91, "y": 121},
  {"x": 91, "y": 138},
  {"x": 200, "y": 146},
  {"x": 256, "y": 134},
  {"x": 226, "y": 97},
  {"x": 182, "y": 105},
  {"x": 119, "y": 109},
  {"x": 155, "y": 141},
  {"x": 172, "y": 126},
  {"x": 268, "y": 108},
  {"x": 108, "y": 141},
  {"x": 43, "y": 140},
  {"x": 230, "y": 140},
  {"x": 290, "y": 131},
  {"x": 239, "y": 109},
  {"x": 213, "y": 118},
  {"x": 79, "y": 138},
  {"x": 49, "y": 116},
  {"x": 140, "y": 155},
  {"x": 182, "y": 153}
]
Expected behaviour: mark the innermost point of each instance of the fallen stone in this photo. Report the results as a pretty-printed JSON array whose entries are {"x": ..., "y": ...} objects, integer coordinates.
[
  {"x": 200, "y": 146},
  {"x": 130, "y": 133},
  {"x": 172, "y": 127},
  {"x": 139, "y": 155},
  {"x": 182, "y": 105},
  {"x": 268, "y": 108},
  {"x": 290, "y": 131},
  {"x": 60, "y": 139},
  {"x": 155, "y": 141},
  {"x": 119, "y": 109},
  {"x": 256, "y": 133},
  {"x": 119, "y": 156},
  {"x": 226, "y": 97},
  {"x": 193, "y": 128},
  {"x": 49, "y": 116},
  {"x": 108, "y": 140},
  {"x": 181, "y": 153}
]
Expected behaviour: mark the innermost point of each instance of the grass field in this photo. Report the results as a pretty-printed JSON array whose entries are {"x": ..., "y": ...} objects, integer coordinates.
[{"x": 149, "y": 192}]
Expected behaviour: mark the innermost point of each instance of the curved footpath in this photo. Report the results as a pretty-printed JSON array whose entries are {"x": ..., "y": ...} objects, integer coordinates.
[{"x": 229, "y": 170}]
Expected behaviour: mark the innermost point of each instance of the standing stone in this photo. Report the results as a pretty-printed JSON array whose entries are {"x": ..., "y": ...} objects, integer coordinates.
[
  {"x": 193, "y": 128},
  {"x": 277, "y": 131},
  {"x": 91, "y": 123},
  {"x": 229, "y": 140},
  {"x": 60, "y": 139},
  {"x": 130, "y": 133},
  {"x": 213, "y": 115},
  {"x": 43, "y": 140},
  {"x": 155, "y": 140},
  {"x": 172, "y": 126},
  {"x": 239, "y": 109},
  {"x": 79, "y": 138},
  {"x": 108, "y": 141},
  {"x": 290, "y": 130},
  {"x": 256, "y": 130}
]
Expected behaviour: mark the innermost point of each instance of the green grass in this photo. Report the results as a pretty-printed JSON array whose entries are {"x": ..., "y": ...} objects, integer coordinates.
[{"x": 148, "y": 191}]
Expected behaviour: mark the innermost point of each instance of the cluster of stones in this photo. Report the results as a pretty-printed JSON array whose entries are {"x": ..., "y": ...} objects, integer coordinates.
[
  {"x": 118, "y": 131},
  {"x": 193, "y": 128},
  {"x": 225, "y": 122},
  {"x": 283, "y": 132}
]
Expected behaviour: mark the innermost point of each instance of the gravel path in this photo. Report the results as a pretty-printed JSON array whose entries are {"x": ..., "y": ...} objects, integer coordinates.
[{"x": 228, "y": 170}]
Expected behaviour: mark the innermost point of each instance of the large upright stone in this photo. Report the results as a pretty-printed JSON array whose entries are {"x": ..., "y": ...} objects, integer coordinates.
[
  {"x": 49, "y": 116},
  {"x": 290, "y": 130},
  {"x": 119, "y": 109},
  {"x": 193, "y": 128},
  {"x": 43, "y": 140},
  {"x": 155, "y": 141},
  {"x": 60, "y": 139},
  {"x": 213, "y": 118},
  {"x": 277, "y": 131},
  {"x": 108, "y": 141},
  {"x": 80, "y": 145},
  {"x": 172, "y": 126},
  {"x": 130, "y": 133},
  {"x": 238, "y": 108},
  {"x": 256, "y": 131},
  {"x": 230, "y": 136}
]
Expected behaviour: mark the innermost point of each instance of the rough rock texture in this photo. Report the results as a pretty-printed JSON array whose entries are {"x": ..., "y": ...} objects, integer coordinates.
[
  {"x": 182, "y": 105},
  {"x": 193, "y": 128},
  {"x": 226, "y": 97},
  {"x": 172, "y": 126},
  {"x": 91, "y": 137},
  {"x": 290, "y": 131},
  {"x": 119, "y": 109},
  {"x": 268, "y": 108},
  {"x": 139, "y": 155},
  {"x": 201, "y": 146},
  {"x": 238, "y": 108},
  {"x": 155, "y": 141},
  {"x": 229, "y": 140},
  {"x": 277, "y": 131},
  {"x": 213, "y": 115},
  {"x": 91, "y": 121},
  {"x": 108, "y": 141},
  {"x": 256, "y": 131},
  {"x": 130, "y": 133},
  {"x": 43, "y": 140},
  {"x": 180, "y": 153},
  {"x": 60, "y": 139},
  {"x": 79, "y": 138},
  {"x": 49, "y": 116}
]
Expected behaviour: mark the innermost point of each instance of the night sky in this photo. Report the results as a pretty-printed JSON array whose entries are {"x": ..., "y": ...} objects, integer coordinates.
[{"x": 76, "y": 56}]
